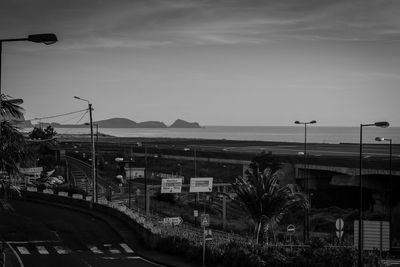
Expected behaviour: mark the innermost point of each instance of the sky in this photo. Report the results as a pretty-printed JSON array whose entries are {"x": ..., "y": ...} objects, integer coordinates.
[{"x": 216, "y": 62}]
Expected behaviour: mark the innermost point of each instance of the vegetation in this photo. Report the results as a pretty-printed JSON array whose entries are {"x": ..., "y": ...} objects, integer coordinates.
[
  {"x": 265, "y": 200},
  {"x": 13, "y": 149},
  {"x": 13, "y": 146},
  {"x": 42, "y": 134}
]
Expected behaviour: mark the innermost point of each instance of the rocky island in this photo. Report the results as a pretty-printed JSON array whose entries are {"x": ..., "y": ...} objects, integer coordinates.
[{"x": 122, "y": 123}]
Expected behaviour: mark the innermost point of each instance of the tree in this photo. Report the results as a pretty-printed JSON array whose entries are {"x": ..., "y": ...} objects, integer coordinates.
[
  {"x": 10, "y": 108},
  {"x": 42, "y": 134},
  {"x": 261, "y": 195},
  {"x": 13, "y": 149},
  {"x": 13, "y": 145}
]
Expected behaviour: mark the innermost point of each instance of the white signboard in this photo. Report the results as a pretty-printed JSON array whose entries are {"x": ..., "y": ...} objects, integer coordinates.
[
  {"x": 133, "y": 173},
  {"x": 171, "y": 185},
  {"x": 173, "y": 221},
  {"x": 201, "y": 184},
  {"x": 31, "y": 170}
]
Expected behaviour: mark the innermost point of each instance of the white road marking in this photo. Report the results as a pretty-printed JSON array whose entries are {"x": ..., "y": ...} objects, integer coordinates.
[
  {"x": 32, "y": 241},
  {"x": 114, "y": 251},
  {"x": 16, "y": 254},
  {"x": 23, "y": 250},
  {"x": 126, "y": 248},
  {"x": 61, "y": 250},
  {"x": 95, "y": 250},
  {"x": 42, "y": 250},
  {"x": 118, "y": 258}
]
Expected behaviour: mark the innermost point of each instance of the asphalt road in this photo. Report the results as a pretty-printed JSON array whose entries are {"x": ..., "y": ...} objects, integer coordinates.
[{"x": 44, "y": 235}]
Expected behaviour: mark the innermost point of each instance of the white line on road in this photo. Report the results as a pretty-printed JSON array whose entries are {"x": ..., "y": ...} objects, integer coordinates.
[
  {"x": 16, "y": 254},
  {"x": 42, "y": 250},
  {"x": 95, "y": 250},
  {"x": 114, "y": 251},
  {"x": 23, "y": 250},
  {"x": 118, "y": 258},
  {"x": 126, "y": 248},
  {"x": 32, "y": 241},
  {"x": 61, "y": 250}
]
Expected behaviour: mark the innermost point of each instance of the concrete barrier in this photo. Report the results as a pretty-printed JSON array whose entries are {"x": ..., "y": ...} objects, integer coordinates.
[
  {"x": 48, "y": 191},
  {"x": 63, "y": 194}
]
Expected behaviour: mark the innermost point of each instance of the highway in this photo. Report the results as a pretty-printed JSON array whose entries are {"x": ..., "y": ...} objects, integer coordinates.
[{"x": 45, "y": 235}]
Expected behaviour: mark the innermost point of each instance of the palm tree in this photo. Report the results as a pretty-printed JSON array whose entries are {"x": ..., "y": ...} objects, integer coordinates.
[
  {"x": 10, "y": 108},
  {"x": 264, "y": 199},
  {"x": 12, "y": 141}
]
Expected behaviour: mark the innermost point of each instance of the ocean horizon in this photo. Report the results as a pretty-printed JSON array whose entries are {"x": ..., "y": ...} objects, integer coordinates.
[{"x": 315, "y": 134}]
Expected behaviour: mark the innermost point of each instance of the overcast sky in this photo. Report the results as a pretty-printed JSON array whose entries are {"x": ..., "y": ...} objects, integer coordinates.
[{"x": 217, "y": 62}]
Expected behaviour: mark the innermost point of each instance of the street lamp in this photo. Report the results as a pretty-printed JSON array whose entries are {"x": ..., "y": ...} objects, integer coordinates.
[
  {"x": 46, "y": 38},
  {"x": 380, "y": 139},
  {"x": 382, "y": 124},
  {"x": 96, "y": 163},
  {"x": 94, "y": 178},
  {"x": 306, "y": 232},
  {"x": 195, "y": 175}
]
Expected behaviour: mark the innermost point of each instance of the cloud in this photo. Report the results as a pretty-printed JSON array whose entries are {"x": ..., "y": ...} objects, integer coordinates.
[{"x": 140, "y": 23}]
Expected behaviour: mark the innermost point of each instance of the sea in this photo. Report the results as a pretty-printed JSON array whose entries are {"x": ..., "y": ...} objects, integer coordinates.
[{"x": 315, "y": 134}]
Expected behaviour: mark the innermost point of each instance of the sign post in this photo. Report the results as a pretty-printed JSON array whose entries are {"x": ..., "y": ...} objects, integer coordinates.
[
  {"x": 290, "y": 230},
  {"x": 339, "y": 229},
  {"x": 205, "y": 222}
]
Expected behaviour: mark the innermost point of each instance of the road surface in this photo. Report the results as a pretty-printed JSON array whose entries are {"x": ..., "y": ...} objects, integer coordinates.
[{"x": 46, "y": 235}]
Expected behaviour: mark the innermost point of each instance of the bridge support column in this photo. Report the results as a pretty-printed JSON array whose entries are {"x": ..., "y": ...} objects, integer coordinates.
[
  {"x": 224, "y": 208},
  {"x": 147, "y": 202}
]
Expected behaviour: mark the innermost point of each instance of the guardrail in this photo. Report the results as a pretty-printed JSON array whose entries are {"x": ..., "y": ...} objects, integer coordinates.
[{"x": 152, "y": 223}]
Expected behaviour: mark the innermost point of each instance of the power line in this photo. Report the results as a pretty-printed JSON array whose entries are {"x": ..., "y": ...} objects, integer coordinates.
[
  {"x": 60, "y": 115},
  {"x": 69, "y": 129}
]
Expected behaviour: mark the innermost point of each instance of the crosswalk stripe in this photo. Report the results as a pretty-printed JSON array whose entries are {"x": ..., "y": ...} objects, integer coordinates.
[
  {"x": 42, "y": 250},
  {"x": 114, "y": 251},
  {"x": 126, "y": 248},
  {"x": 95, "y": 250},
  {"x": 61, "y": 250},
  {"x": 23, "y": 250}
]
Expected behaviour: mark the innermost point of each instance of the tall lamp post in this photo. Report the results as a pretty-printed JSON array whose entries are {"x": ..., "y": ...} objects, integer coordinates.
[
  {"x": 380, "y": 139},
  {"x": 45, "y": 38},
  {"x": 195, "y": 175},
  {"x": 94, "y": 178},
  {"x": 382, "y": 124},
  {"x": 306, "y": 233},
  {"x": 96, "y": 163}
]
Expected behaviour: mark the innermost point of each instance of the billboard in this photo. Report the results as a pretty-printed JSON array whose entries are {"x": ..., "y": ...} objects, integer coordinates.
[
  {"x": 171, "y": 185},
  {"x": 201, "y": 184},
  {"x": 133, "y": 173}
]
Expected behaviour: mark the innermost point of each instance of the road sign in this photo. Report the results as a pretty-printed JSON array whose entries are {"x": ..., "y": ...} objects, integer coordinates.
[
  {"x": 133, "y": 173},
  {"x": 339, "y": 234},
  {"x": 290, "y": 229},
  {"x": 171, "y": 185},
  {"x": 205, "y": 220},
  {"x": 173, "y": 221},
  {"x": 201, "y": 184},
  {"x": 339, "y": 224},
  {"x": 196, "y": 213},
  {"x": 208, "y": 234}
]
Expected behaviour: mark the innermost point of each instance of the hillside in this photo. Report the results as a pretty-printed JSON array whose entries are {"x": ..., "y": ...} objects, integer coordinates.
[{"x": 124, "y": 123}]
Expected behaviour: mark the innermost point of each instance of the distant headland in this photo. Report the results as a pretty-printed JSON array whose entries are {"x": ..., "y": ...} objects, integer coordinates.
[{"x": 121, "y": 123}]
